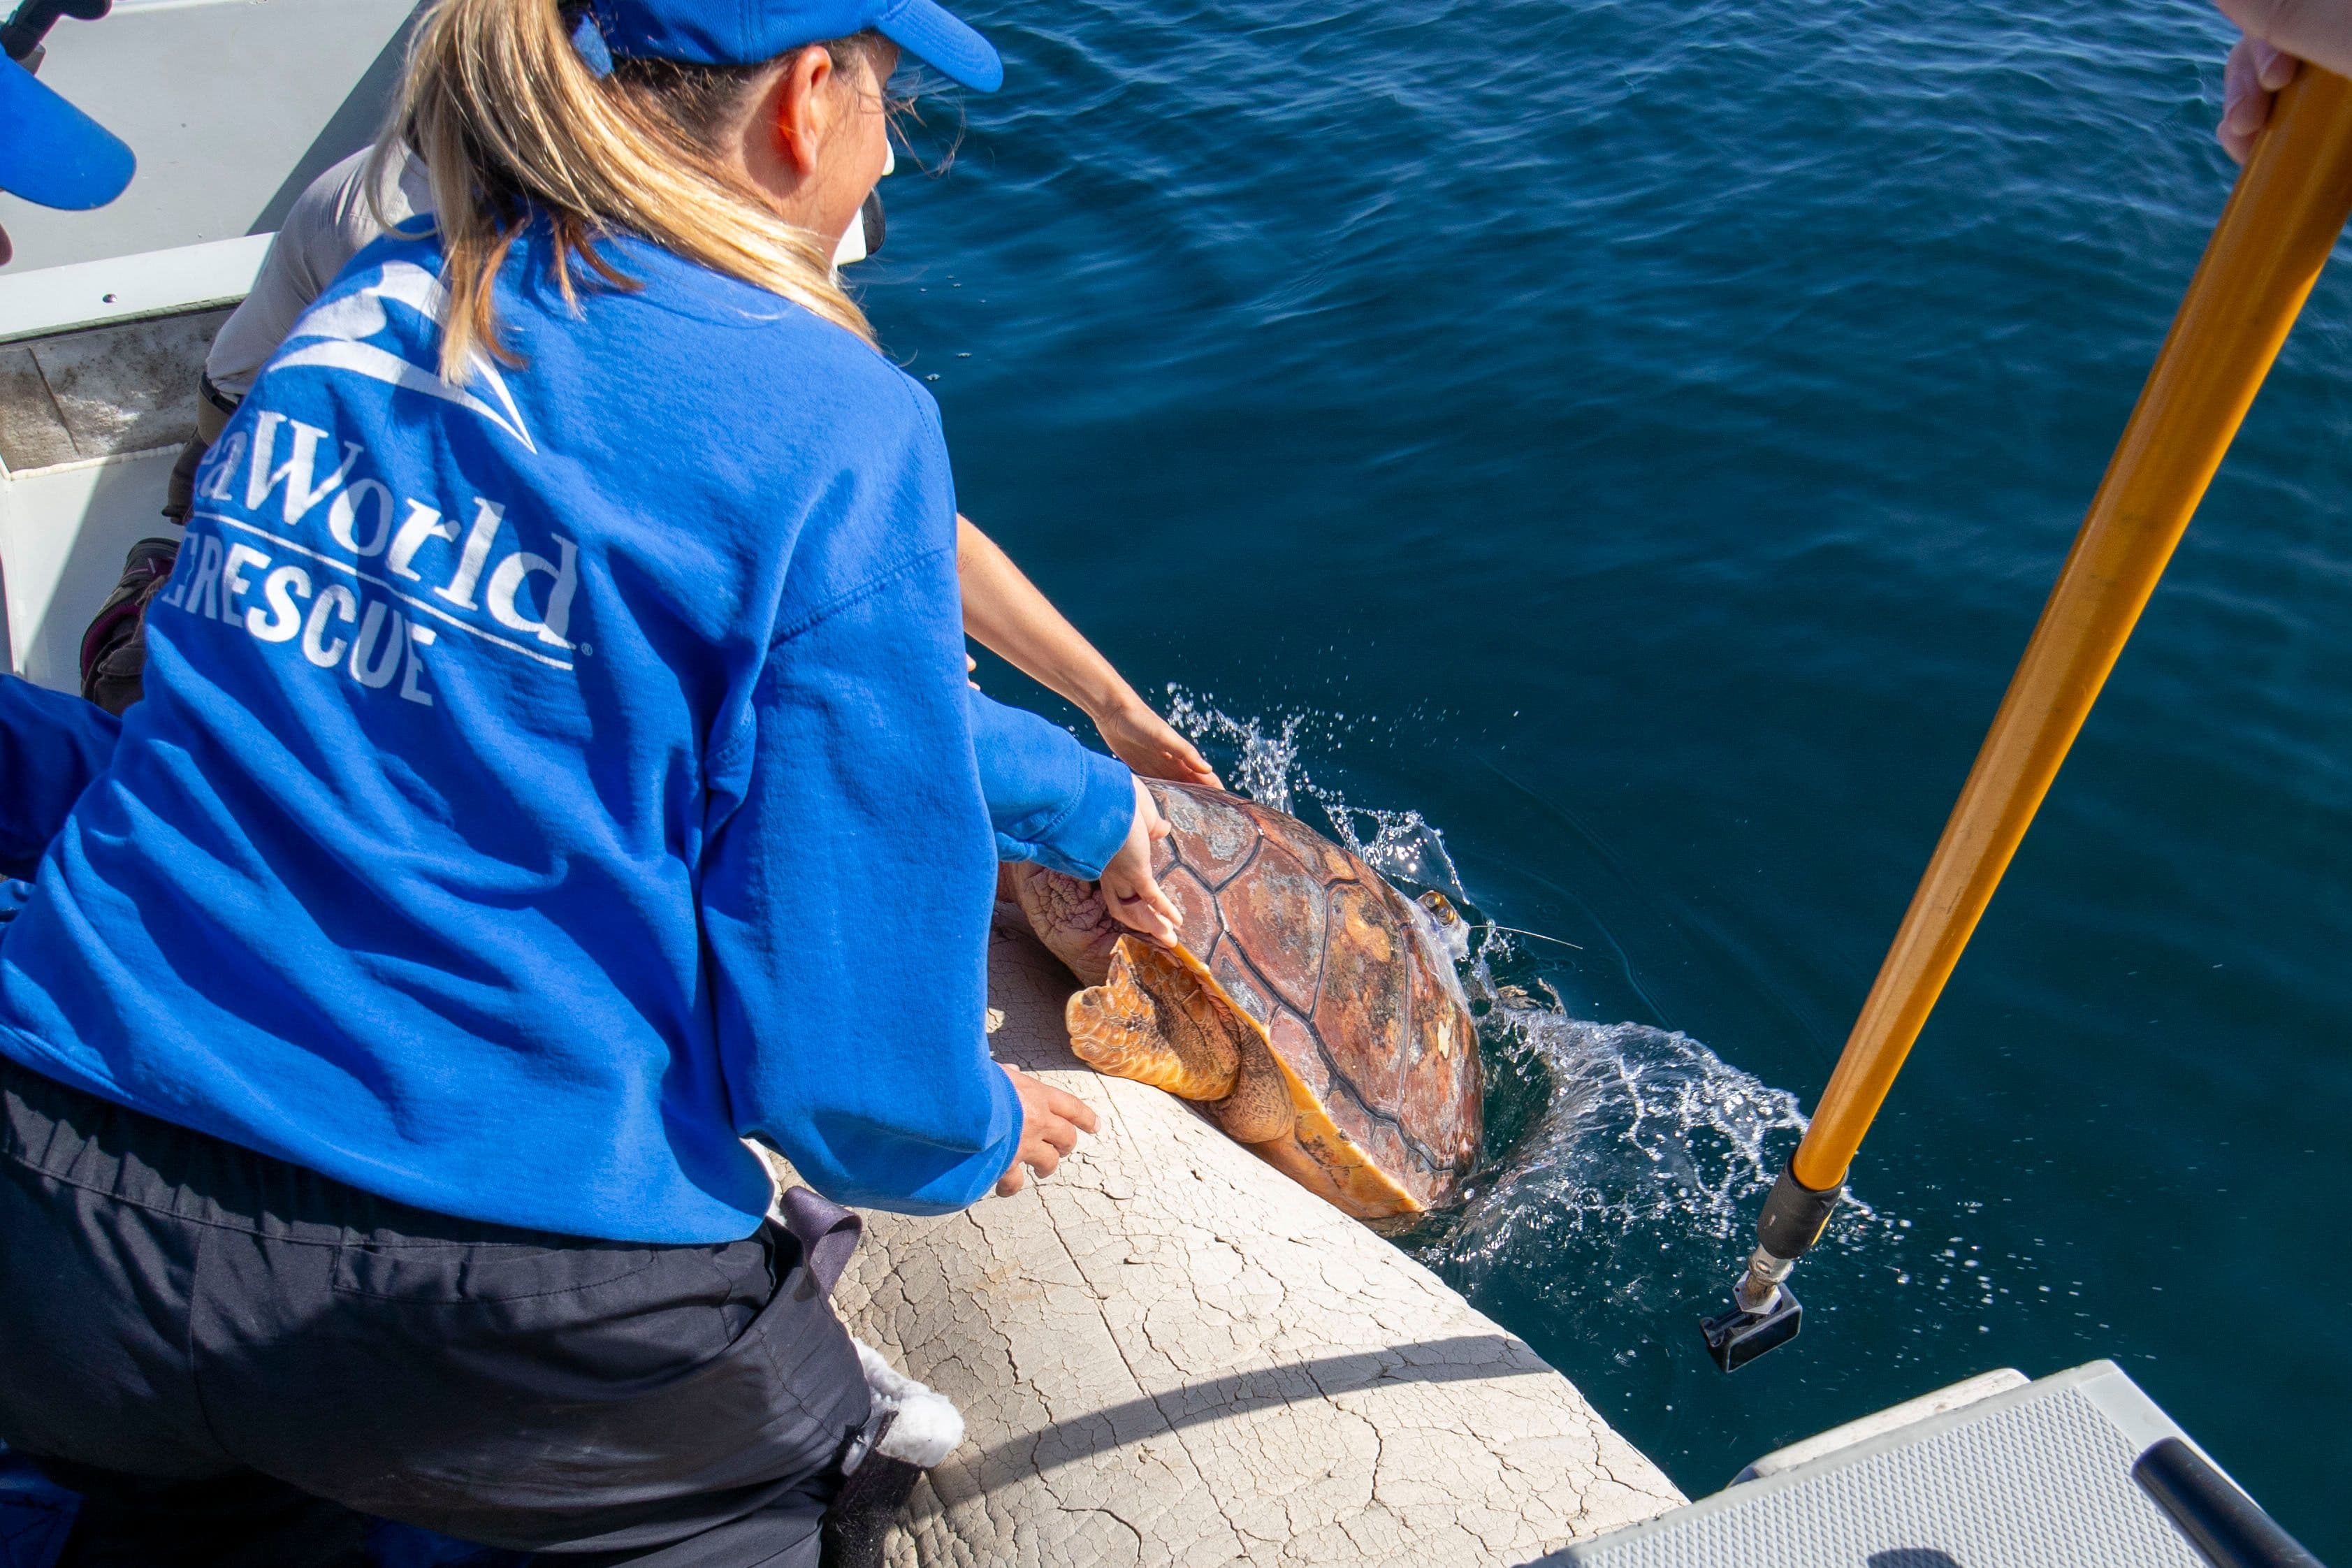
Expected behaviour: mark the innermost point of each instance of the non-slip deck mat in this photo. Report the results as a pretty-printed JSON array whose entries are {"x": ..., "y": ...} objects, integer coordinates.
[{"x": 2034, "y": 1479}]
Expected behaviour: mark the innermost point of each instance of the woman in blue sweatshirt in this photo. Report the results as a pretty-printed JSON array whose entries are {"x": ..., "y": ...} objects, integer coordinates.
[{"x": 556, "y": 766}]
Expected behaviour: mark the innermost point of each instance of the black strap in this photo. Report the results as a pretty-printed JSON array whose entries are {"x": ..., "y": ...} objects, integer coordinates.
[
  {"x": 214, "y": 395},
  {"x": 827, "y": 1233}
]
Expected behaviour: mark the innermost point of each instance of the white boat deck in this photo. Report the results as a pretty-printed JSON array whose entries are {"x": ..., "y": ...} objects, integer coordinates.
[
  {"x": 232, "y": 107},
  {"x": 1167, "y": 1352}
]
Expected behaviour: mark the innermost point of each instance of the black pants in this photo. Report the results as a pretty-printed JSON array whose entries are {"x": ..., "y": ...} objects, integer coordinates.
[{"x": 233, "y": 1358}]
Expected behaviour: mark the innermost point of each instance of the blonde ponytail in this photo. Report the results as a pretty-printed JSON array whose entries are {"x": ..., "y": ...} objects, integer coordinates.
[{"x": 511, "y": 124}]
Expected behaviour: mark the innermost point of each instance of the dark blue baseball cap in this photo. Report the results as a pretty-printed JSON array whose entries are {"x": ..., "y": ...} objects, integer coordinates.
[
  {"x": 751, "y": 32},
  {"x": 53, "y": 154}
]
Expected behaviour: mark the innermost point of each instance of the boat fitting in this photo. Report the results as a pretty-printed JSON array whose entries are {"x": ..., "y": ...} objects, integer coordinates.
[
  {"x": 1765, "y": 1313},
  {"x": 1761, "y": 1286},
  {"x": 22, "y": 34}
]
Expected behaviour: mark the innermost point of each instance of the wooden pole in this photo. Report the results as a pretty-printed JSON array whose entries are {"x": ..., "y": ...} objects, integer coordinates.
[{"x": 2273, "y": 236}]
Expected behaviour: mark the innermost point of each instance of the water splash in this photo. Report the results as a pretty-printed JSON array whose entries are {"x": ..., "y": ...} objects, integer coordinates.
[
  {"x": 1642, "y": 1138},
  {"x": 1625, "y": 1165},
  {"x": 1624, "y": 1161},
  {"x": 1264, "y": 767},
  {"x": 1268, "y": 768},
  {"x": 1631, "y": 1166}
]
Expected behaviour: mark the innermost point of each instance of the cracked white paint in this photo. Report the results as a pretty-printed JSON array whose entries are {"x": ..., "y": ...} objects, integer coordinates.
[{"x": 1166, "y": 1353}]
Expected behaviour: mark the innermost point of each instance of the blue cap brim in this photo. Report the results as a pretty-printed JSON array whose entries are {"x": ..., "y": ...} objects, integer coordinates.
[
  {"x": 927, "y": 31},
  {"x": 53, "y": 154}
]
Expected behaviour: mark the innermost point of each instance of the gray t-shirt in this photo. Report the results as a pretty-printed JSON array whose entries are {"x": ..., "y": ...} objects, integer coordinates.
[{"x": 328, "y": 224}]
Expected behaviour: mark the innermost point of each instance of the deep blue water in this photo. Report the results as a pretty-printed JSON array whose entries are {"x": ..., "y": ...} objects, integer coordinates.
[{"x": 1636, "y": 439}]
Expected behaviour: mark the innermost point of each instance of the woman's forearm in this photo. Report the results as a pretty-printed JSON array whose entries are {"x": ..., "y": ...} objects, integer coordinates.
[{"x": 1005, "y": 614}]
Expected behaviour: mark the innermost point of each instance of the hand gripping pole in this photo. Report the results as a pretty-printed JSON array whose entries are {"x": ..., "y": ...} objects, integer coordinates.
[{"x": 2274, "y": 235}]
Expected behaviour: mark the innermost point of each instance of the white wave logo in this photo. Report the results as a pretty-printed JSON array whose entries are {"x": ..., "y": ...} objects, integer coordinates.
[{"x": 333, "y": 336}]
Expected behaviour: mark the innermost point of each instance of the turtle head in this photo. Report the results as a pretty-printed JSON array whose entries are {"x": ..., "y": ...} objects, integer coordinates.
[{"x": 1445, "y": 922}]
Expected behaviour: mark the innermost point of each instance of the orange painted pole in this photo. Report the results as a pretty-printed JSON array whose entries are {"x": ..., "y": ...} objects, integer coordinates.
[{"x": 2273, "y": 236}]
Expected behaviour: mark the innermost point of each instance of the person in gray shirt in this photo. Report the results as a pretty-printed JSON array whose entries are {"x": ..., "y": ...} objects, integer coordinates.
[{"x": 331, "y": 222}]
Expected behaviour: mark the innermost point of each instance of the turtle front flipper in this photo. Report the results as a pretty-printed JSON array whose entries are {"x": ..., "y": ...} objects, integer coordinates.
[
  {"x": 1151, "y": 1020},
  {"x": 1161, "y": 1019},
  {"x": 1068, "y": 916}
]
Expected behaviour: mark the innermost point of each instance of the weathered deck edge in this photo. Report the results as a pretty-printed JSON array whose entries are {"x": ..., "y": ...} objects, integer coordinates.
[{"x": 1169, "y": 1354}]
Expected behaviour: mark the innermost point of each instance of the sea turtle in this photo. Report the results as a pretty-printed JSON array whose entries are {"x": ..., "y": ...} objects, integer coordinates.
[{"x": 1311, "y": 1007}]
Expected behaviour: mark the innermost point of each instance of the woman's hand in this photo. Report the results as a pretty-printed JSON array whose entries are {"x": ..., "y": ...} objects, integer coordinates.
[
  {"x": 1129, "y": 891},
  {"x": 1150, "y": 745},
  {"x": 2279, "y": 33},
  {"x": 1051, "y": 1120}
]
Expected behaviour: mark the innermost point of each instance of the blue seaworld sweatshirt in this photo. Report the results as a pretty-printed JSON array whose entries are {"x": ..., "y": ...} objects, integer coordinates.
[
  {"x": 51, "y": 746},
  {"x": 545, "y": 781}
]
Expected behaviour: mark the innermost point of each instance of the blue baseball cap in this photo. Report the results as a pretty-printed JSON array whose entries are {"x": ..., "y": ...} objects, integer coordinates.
[
  {"x": 53, "y": 154},
  {"x": 751, "y": 32}
]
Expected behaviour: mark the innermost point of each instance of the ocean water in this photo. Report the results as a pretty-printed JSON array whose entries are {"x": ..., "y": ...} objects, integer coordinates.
[{"x": 1606, "y": 457}]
